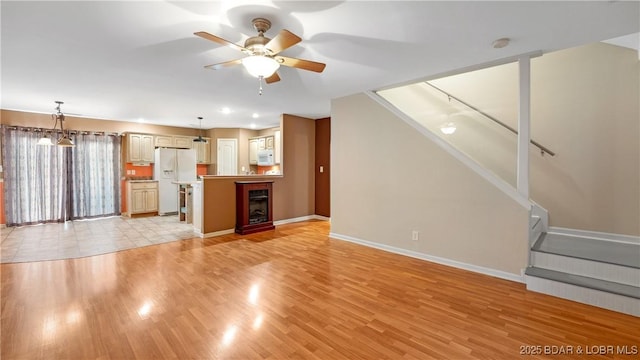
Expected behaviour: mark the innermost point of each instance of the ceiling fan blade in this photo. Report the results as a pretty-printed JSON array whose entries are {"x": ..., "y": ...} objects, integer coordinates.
[
  {"x": 219, "y": 40},
  {"x": 273, "y": 78},
  {"x": 285, "y": 39},
  {"x": 224, "y": 64},
  {"x": 301, "y": 64}
]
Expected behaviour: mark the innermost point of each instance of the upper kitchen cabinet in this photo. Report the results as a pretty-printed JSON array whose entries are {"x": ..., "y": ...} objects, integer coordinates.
[
  {"x": 140, "y": 148},
  {"x": 183, "y": 142},
  {"x": 277, "y": 147},
  {"x": 253, "y": 151},
  {"x": 203, "y": 151},
  {"x": 164, "y": 141},
  {"x": 168, "y": 141},
  {"x": 267, "y": 142}
]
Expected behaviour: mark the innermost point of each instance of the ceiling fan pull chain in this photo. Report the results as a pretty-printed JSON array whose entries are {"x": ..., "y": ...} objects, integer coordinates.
[{"x": 260, "y": 81}]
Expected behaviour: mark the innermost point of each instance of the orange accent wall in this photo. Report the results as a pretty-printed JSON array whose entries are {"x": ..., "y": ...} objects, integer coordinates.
[
  {"x": 2, "y": 218},
  {"x": 140, "y": 170},
  {"x": 201, "y": 169},
  {"x": 263, "y": 169}
]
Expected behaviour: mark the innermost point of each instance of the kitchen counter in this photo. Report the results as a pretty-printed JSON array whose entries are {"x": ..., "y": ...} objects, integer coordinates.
[
  {"x": 214, "y": 177},
  {"x": 186, "y": 182},
  {"x": 142, "y": 181}
]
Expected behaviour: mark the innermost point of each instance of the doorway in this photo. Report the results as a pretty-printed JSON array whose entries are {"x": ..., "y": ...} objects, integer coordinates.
[{"x": 227, "y": 163}]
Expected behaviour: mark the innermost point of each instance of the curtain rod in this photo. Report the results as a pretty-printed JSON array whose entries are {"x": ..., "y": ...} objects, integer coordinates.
[{"x": 48, "y": 130}]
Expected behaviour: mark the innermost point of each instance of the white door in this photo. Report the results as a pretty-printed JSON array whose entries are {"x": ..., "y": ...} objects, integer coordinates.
[{"x": 227, "y": 157}]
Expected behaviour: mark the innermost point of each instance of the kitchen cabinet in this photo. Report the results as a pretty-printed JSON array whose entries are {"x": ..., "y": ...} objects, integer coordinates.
[
  {"x": 140, "y": 148},
  {"x": 277, "y": 147},
  {"x": 164, "y": 141},
  {"x": 253, "y": 151},
  {"x": 183, "y": 142},
  {"x": 168, "y": 141},
  {"x": 260, "y": 143},
  {"x": 203, "y": 151},
  {"x": 142, "y": 197}
]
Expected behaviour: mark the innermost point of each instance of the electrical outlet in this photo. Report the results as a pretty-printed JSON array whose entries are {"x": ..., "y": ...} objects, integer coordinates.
[{"x": 415, "y": 235}]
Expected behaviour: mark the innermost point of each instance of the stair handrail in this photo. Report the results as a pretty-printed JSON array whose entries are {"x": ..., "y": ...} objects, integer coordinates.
[{"x": 543, "y": 149}]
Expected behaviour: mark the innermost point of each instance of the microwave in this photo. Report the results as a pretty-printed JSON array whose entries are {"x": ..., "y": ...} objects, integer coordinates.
[{"x": 265, "y": 157}]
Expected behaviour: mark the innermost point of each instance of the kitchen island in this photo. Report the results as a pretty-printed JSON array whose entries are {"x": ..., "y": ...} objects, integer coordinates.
[
  {"x": 185, "y": 200},
  {"x": 215, "y": 201}
]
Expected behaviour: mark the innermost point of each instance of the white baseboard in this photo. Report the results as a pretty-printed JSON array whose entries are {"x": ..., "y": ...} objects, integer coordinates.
[
  {"x": 301, "y": 218},
  {"x": 596, "y": 235},
  {"x": 439, "y": 260}
]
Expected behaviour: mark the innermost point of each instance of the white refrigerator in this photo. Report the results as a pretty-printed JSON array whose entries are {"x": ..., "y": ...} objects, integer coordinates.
[{"x": 172, "y": 165}]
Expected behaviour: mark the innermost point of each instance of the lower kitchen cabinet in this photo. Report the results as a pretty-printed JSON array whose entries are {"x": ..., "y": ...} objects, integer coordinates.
[{"x": 142, "y": 197}]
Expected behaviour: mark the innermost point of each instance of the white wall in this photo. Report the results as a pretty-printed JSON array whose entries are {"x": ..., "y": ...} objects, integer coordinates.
[{"x": 387, "y": 180}]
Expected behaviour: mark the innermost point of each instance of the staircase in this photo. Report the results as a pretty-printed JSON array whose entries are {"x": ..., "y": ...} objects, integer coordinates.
[
  {"x": 589, "y": 267},
  {"x": 592, "y": 268}
]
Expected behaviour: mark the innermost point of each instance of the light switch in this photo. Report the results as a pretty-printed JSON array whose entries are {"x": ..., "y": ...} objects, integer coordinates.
[{"x": 321, "y": 168}]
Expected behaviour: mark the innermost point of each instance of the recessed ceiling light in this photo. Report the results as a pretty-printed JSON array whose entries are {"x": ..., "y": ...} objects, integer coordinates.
[
  {"x": 253, "y": 126},
  {"x": 448, "y": 128},
  {"x": 140, "y": 120},
  {"x": 255, "y": 115},
  {"x": 225, "y": 110}
]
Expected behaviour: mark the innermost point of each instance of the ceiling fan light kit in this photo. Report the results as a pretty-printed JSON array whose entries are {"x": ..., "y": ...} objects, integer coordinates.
[
  {"x": 262, "y": 60},
  {"x": 260, "y": 66}
]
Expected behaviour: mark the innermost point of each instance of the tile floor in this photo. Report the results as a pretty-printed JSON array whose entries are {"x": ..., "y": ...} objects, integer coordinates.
[{"x": 75, "y": 239}]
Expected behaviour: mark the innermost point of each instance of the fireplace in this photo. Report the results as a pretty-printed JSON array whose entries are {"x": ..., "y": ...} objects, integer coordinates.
[{"x": 253, "y": 206}]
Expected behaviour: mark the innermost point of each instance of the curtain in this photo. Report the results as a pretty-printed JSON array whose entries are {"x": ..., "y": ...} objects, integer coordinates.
[
  {"x": 95, "y": 174},
  {"x": 53, "y": 184},
  {"x": 35, "y": 186}
]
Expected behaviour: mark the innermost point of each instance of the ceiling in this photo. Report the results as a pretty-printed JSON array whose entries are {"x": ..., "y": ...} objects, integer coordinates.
[{"x": 127, "y": 61}]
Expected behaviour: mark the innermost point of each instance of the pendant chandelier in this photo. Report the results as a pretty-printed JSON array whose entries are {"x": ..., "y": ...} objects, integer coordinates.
[{"x": 64, "y": 141}]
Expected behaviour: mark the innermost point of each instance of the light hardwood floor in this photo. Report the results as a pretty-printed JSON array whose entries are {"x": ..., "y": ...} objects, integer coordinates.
[{"x": 288, "y": 293}]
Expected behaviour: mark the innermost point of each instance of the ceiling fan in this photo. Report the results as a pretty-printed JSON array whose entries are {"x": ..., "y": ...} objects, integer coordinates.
[{"x": 263, "y": 58}]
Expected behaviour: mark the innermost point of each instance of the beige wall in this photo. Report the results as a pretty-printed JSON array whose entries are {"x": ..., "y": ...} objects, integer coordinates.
[
  {"x": 585, "y": 107},
  {"x": 243, "y": 148},
  {"x": 388, "y": 180},
  {"x": 293, "y": 193},
  {"x": 220, "y": 133},
  {"x": 585, "y": 104}
]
